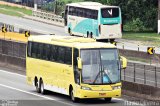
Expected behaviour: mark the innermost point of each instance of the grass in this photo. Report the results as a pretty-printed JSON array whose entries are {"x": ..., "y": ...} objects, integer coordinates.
[
  {"x": 14, "y": 11},
  {"x": 146, "y": 38}
]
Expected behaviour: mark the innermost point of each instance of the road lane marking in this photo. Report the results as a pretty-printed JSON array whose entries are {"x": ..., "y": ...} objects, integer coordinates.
[
  {"x": 26, "y": 92},
  {"x": 13, "y": 73},
  {"x": 48, "y": 98}
]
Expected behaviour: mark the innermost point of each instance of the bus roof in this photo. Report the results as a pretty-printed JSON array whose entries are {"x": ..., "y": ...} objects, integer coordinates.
[
  {"x": 90, "y": 5},
  {"x": 70, "y": 41}
]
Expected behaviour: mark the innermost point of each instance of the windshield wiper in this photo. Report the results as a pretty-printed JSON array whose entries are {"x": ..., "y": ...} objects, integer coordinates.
[
  {"x": 103, "y": 72},
  {"x": 97, "y": 76}
]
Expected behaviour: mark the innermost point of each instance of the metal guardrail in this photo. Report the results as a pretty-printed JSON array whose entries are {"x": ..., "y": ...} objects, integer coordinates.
[
  {"x": 48, "y": 16},
  {"x": 142, "y": 74}
]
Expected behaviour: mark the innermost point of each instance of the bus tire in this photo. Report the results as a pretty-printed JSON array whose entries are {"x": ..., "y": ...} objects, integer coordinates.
[
  {"x": 91, "y": 35},
  {"x": 70, "y": 32},
  {"x": 37, "y": 85},
  {"x": 108, "y": 99},
  {"x": 73, "y": 98},
  {"x": 87, "y": 34},
  {"x": 42, "y": 90}
]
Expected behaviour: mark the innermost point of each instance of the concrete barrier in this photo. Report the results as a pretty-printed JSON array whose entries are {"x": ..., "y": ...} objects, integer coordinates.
[
  {"x": 14, "y": 61},
  {"x": 13, "y": 53},
  {"x": 140, "y": 90},
  {"x": 155, "y": 59}
]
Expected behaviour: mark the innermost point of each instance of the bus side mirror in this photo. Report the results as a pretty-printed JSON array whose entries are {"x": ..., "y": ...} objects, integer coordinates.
[
  {"x": 79, "y": 63},
  {"x": 124, "y": 62}
]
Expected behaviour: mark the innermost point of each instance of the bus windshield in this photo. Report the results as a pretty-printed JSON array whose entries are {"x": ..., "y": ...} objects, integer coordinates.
[
  {"x": 110, "y": 12},
  {"x": 100, "y": 66}
]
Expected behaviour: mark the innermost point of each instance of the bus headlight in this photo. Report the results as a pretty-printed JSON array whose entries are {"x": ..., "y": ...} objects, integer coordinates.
[
  {"x": 85, "y": 88},
  {"x": 116, "y": 87}
]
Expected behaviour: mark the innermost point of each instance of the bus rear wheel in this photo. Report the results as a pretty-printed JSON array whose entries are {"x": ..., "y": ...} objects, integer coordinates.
[
  {"x": 89, "y": 35},
  {"x": 37, "y": 86}
]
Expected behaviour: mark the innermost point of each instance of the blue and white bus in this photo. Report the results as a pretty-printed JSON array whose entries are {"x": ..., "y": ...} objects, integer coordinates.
[{"x": 93, "y": 20}]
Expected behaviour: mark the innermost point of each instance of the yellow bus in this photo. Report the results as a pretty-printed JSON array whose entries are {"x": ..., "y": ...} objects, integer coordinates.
[{"x": 78, "y": 67}]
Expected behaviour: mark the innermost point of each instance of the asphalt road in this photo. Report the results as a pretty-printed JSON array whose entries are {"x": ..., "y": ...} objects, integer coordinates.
[
  {"x": 31, "y": 25},
  {"x": 13, "y": 88},
  {"x": 51, "y": 29}
]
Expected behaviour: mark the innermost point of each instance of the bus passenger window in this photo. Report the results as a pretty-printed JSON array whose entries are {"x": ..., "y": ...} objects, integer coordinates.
[
  {"x": 60, "y": 55},
  {"x": 68, "y": 56},
  {"x": 29, "y": 49},
  {"x": 39, "y": 51},
  {"x": 46, "y": 52},
  {"x": 54, "y": 53},
  {"x": 34, "y": 50}
]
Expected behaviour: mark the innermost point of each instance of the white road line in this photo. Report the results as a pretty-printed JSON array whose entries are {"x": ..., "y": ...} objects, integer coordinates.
[
  {"x": 26, "y": 92},
  {"x": 48, "y": 98},
  {"x": 13, "y": 73}
]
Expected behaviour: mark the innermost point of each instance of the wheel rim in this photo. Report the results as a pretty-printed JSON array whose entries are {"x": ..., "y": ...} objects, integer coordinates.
[
  {"x": 72, "y": 96},
  {"x": 37, "y": 87},
  {"x": 70, "y": 33},
  {"x": 89, "y": 36},
  {"x": 42, "y": 88}
]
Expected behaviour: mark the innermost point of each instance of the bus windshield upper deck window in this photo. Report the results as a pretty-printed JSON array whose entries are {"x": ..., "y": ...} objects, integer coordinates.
[{"x": 110, "y": 12}]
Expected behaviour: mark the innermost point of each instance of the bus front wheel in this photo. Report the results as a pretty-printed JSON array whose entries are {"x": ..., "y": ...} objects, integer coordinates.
[
  {"x": 108, "y": 99},
  {"x": 73, "y": 98},
  {"x": 70, "y": 32}
]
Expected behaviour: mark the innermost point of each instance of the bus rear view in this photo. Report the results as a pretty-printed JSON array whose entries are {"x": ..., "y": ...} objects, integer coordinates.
[
  {"x": 93, "y": 20},
  {"x": 110, "y": 23}
]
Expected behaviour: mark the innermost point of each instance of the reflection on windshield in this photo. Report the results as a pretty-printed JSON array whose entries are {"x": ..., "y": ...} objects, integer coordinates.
[{"x": 100, "y": 66}]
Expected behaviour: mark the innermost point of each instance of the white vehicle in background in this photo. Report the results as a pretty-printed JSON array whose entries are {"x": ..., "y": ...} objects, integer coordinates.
[{"x": 93, "y": 20}]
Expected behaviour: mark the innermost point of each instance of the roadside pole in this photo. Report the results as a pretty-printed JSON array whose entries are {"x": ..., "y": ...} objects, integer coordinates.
[{"x": 35, "y": 5}]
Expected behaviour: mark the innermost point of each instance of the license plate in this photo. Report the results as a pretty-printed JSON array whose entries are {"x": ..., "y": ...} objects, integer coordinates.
[{"x": 102, "y": 94}]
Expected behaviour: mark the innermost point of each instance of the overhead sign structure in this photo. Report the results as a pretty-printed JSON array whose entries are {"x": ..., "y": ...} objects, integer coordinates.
[
  {"x": 150, "y": 50},
  {"x": 27, "y": 33},
  {"x": 4, "y": 29}
]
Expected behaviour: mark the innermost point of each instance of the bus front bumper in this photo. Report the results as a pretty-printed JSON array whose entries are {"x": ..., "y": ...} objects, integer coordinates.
[{"x": 98, "y": 94}]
